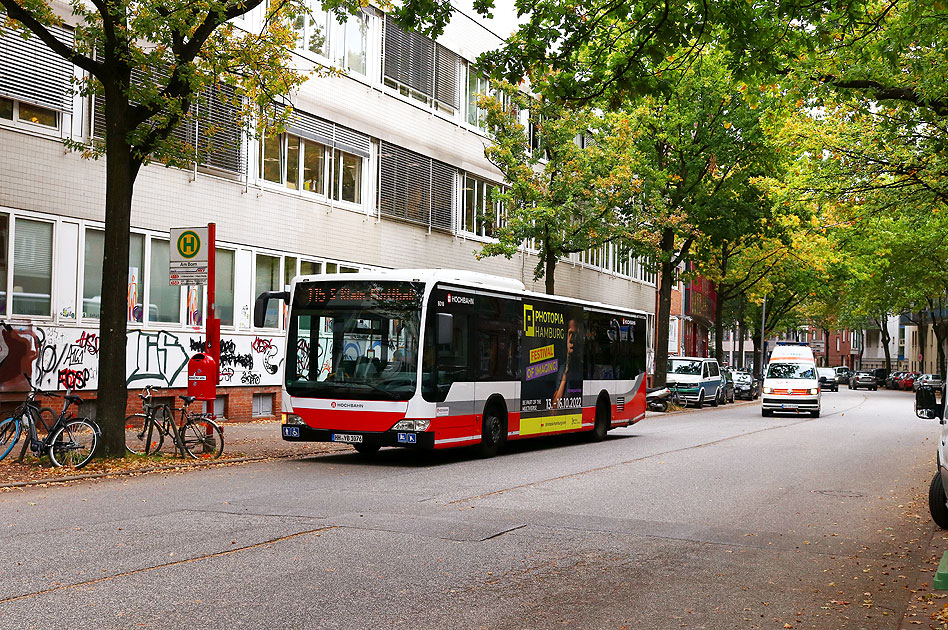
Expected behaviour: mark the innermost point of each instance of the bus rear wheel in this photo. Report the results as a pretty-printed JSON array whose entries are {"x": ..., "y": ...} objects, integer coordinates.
[
  {"x": 493, "y": 432},
  {"x": 603, "y": 421}
]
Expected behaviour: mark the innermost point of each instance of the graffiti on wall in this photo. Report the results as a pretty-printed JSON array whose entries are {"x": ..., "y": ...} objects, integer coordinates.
[{"x": 65, "y": 357}]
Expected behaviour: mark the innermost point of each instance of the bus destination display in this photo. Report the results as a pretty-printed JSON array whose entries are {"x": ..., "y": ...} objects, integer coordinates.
[{"x": 356, "y": 294}]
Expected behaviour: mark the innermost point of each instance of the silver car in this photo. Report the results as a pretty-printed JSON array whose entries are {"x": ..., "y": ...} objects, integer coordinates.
[{"x": 934, "y": 381}]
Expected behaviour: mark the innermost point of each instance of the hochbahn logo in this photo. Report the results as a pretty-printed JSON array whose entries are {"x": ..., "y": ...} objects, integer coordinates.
[{"x": 189, "y": 244}]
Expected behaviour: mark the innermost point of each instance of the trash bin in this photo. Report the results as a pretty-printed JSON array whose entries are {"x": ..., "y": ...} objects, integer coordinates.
[{"x": 202, "y": 377}]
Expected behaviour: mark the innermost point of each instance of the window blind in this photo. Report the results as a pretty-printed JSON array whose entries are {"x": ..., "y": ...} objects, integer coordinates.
[
  {"x": 31, "y": 72},
  {"x": 415, "y": 188}
]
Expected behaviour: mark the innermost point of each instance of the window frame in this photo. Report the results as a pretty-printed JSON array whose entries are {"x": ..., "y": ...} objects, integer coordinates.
[
  {"x": 330, "y": 172},
  {"x": 334, "y": 32}
]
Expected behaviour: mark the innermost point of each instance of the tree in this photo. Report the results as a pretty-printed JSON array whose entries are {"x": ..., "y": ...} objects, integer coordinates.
[
  {"x": 568, "y": 184},
  {"x": 151, "y": 63},
  {"x": 697, "y": 150}
]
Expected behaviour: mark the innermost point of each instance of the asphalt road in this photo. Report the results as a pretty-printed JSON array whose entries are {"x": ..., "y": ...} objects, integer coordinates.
[{"x": 705, "y": 519}]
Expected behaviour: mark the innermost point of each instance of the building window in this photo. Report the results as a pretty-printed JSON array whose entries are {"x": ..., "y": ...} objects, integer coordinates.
[
  {"x": 302, "y": 164},
  {"x": 262, "y": 405},
  {"x": 309, "y": 267},
  {"x": 92, "y": 274},
  {"x": 24, "y": 112},
  {"x": 346, "y": 177},
  {"x": 164, "y": 301},
  {"x": 344, "y": 45},
  {"x": 36, "y": 82},
  {"x": 420, "y": 69},
  {"x": 32, "y": 267},
  {"x": 482, "y": 213},
  {"x": 267, "y": 278},
  {"x": 477, "y": 86},
  {"x": 416, "y": 188},
  {"x": 224, "y": 287}
]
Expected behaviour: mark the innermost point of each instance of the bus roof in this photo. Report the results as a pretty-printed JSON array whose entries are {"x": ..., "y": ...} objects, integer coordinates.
[{"x": 462, "y": 278}]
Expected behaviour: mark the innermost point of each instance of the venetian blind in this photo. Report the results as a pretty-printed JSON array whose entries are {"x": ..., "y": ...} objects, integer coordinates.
[{"x": 31, "y": 72}]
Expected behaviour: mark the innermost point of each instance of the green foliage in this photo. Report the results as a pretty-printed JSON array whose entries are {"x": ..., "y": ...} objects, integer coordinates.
[{"x": 572, "y": 191}]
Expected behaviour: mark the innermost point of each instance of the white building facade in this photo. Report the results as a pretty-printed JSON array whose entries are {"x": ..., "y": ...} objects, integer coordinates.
[{"x": 382, "y": 167}]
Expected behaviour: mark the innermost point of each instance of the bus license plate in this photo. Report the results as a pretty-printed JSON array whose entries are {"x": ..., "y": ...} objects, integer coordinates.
[
  {"x": 291, "y": 431},
  {"x": 788, "y": 406},
  {"x": 351, "y": 438}
]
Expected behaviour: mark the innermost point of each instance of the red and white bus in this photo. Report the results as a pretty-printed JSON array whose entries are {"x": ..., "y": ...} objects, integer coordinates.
[{"x": 443, "y": 358}]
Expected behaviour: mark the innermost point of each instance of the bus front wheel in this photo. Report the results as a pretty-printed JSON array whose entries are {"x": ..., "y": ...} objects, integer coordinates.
[
  {"x": 366, "y": 450},
  {"x": 493, "y": 432}
]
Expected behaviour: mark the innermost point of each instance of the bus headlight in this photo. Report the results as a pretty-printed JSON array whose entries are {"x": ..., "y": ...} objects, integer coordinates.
[
  {"x": 411, "y": 425},
  {"x": 768, "y": 390},
  {"x": 814, "y": 391},
  {"x": 292, "y": 418}
]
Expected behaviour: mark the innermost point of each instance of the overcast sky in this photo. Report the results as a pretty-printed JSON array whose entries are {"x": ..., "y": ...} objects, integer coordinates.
[{"x": 505, "y": 15}]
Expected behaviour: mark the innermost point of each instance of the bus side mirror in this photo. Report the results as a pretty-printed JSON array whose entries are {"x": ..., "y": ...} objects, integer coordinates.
[
  {"x": 926, "y": 407},
  {"x": 445, "y": 330},
  {"x": 260, "y": 305}
]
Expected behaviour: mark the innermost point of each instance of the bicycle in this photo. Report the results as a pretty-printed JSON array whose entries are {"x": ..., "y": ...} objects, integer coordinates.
[
  {"x": 145, "y": 432},
  {"x": 200, "y": 436},
  {"x": 196, "y": 436},
  {"x": 69, "y": 443}
]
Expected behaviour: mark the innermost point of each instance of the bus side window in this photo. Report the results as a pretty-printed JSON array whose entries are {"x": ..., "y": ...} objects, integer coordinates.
[{"x": 443, "y": 364}]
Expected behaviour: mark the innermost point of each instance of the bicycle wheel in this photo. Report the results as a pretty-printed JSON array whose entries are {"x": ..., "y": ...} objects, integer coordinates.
[
  {"x": 9, "y": 434},
  {"x": 137, "y": 440},
  {"x": 202, "y": 438},
  {"x": 73, "y": 444}
]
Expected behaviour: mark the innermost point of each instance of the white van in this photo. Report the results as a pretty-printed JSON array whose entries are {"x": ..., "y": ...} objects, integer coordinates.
[
  {"x": 791, "y": 383},
  {"x": 697, "y": 379}
]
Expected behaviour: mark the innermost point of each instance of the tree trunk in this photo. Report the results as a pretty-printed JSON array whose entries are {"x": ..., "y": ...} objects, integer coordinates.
[
  {"x": 121, "y": 171},
  {"x": 719, "y": 329},
  {"x": 666, "y": 281},
  {"x": 882, "y": 323},
  {"x": 741, "y": 331},
  {"x": 550, "y": 267}
]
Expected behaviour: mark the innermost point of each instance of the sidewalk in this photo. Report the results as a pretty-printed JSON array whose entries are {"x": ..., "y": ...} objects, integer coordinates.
[{"x": 243, "y": 441}]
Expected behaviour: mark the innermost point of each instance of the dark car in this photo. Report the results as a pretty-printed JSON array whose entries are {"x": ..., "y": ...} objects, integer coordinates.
[
  {"x": 880, "y": 374},
  {"x": 863, "y": 379},
  {"x": 827, "y": 378},
  {"x": 890, "y": 381},
  {"x": 746, "y": 386},
  {"x": 727, "y": 387},
  {"x": 843, "y": 374}
]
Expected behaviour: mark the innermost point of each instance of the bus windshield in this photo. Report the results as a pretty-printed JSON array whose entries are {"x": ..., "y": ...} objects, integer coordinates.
[{"x": 354, "y": 340}]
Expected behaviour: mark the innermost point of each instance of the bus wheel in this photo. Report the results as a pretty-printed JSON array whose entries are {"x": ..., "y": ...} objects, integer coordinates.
[
  {"x": 603, "y": 420},
  {"x": 366, "y": 450},
  {"x": 493, "y": 432}
]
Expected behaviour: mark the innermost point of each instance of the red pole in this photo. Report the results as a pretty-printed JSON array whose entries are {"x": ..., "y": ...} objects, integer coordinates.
[{"x": 213, "y": 324}]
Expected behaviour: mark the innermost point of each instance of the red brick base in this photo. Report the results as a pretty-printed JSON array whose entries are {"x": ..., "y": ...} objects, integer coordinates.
[{"x": 237, "y": 406}]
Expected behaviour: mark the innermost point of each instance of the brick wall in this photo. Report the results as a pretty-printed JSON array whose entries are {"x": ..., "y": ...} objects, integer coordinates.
[{"x": 238, "y": 402}]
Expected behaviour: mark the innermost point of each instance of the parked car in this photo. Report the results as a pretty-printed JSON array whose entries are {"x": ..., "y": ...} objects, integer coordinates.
[
  {"x": 746, "y": 386},
  {"x": 927, "y": 407},
  {"x": 908, "y": 380},
  {"x": 865, "y": 380},
  {"x": 696, "y": 379},
  {"x": 932, "y": 380},
  {"x": 842, "y": 374},
  {"x": 827, "y": 379},
  {"x": 892, "y": 378},
  {"x": 727, "y": 386},
  {"x": 880, "y": 374}
]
